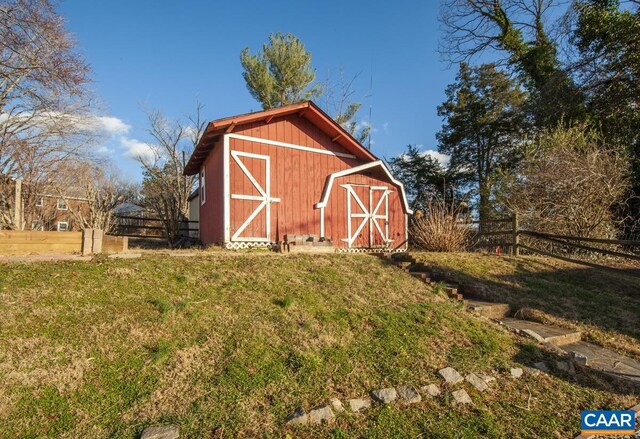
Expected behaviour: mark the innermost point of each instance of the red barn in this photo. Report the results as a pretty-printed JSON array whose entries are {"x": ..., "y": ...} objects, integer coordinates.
[{"x": 294, "y": 171}]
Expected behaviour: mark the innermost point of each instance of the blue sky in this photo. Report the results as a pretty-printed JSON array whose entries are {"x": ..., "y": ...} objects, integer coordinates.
[{"x": 167, "y": 54}]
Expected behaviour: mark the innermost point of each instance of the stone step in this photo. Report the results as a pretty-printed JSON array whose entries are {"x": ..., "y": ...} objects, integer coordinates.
[
  {"x": 423, "y": 276},
  {"x": 402, "y": 257},
  {"x": 452, "y": 292},
  {"x": 451, "y": 289},
  {"x": 606, "y": 361},
  {"x": 491, "y": 310},
  {"x": 419, "y": 266},
  {"x": 542, "y": 333},
  {"x": 477, "y": 291}
]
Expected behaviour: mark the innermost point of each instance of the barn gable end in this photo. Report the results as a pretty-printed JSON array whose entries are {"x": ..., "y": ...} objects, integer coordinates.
[{"x": 294, "y": 130}]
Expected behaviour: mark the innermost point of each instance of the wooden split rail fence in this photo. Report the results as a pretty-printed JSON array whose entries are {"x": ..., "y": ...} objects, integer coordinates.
[{"x": 505, "y": 235}]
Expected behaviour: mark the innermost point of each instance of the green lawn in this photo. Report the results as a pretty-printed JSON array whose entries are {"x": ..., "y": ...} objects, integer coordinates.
[{"x": 228, "y": 345}]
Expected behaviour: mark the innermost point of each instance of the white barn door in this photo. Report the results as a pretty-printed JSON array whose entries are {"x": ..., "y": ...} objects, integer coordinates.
[
  {"x": 367, "y": 216},
  {"x": 252, "y": 203}
]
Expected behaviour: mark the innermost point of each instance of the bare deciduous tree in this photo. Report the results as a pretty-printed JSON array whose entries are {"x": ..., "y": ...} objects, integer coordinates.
[
  {"x": 516, "y": 33},
  {"x": 44, "y": 102},
  {"x": 569, "y": 184},
  {"x": 165, "y": 188},
  {"x": 338, "y": 98},
  {"x": 473, "y": 26},
  {"x": 97, "y": 186}
]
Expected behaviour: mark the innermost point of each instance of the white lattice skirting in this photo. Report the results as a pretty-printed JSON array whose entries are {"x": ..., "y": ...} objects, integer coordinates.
[
  {"x": 250, "y": 245},
  {"x": 371, "y": 250},
  {"x": 246, "y": 245}
]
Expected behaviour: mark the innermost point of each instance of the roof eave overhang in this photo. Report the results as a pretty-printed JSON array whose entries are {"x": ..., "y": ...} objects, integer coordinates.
[
  {"x": 378, "y": 163},
  {"x": 308, "y": 110}
]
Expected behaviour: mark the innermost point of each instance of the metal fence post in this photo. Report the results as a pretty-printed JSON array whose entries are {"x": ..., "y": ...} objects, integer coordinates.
[{"x": 515, "y": 248}]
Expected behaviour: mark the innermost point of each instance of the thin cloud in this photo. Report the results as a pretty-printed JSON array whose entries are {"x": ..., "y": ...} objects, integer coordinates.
[
  {"x": 135, "y": 148},
  {"x": 443, "y": 159},
  {"x": 112, "y": 125},
  {"x": 365, "y": 124},
  {"x": 109, "y": 125},
  {"x": 189, "y": 132},
  {"x": 104, "y": 150}
]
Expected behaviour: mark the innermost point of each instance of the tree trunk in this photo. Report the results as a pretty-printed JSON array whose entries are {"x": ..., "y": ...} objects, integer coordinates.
[{"x": 484, "y": 207}]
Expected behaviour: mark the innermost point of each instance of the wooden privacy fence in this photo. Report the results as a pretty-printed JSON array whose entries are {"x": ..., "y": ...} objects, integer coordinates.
[
  {"x": 506, "y": 235},
  {"x": 31, "y": 242}
]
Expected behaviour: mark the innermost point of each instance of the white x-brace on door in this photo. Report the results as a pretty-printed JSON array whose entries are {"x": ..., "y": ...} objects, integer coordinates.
[
  {"x": 371, "y": 214},
  {"x": 263, "y": 196}
]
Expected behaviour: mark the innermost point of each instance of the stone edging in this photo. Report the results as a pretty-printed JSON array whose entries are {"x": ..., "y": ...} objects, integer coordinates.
[{"x": 405, "y": 394}]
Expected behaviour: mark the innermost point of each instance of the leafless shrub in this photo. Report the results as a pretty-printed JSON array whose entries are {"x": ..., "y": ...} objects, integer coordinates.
[
  {"x": 440, "y": 228},
  {"x": 569, "y": 184}
]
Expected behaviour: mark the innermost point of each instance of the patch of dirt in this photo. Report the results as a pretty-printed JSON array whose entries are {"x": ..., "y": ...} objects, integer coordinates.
[
  {"x": 5, "y": 404},
  {"x": 120, "y": 272},
  {"x": 179, "y": 386},
  {"x": 37, "y": 363}
]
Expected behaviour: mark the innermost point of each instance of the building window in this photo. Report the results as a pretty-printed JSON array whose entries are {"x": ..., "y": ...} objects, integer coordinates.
[
  {"x": 62, "y": 205},
  {"x": 203, "y": 194},
  {"x": 63, "y": 226},
  {"x": 39, "y": 202}
]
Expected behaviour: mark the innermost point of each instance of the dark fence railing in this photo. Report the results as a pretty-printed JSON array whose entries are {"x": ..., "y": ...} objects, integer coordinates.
[
  {"x": 496, "y": 234},
  {"x": 147, "y": 226},
  {"x": 505, "y": 235}
]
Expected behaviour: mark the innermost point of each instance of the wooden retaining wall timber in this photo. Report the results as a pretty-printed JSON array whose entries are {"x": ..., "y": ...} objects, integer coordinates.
[
  {"x": 31, "y": 242},
  {"x": 22, "y": 242}
]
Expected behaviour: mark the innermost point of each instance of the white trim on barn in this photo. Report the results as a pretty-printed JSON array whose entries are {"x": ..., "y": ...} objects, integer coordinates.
[
  {"x": 369, "y": 215},
  {"x": 406, "y": 231},
  {"x": 202, "y": 186},
  {"x": 290, "y": 146},
  {"x": 264, "y": 194},
  {"x": 327, "y": 189},
  {"x": 226, "y": 183},
  {"x": 375, "y": 216},
  {"x": 265, "y": 197}
]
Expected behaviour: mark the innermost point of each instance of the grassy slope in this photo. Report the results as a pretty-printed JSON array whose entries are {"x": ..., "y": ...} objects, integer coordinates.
[
  {"x": 233, "y": 343},
  {"x": 602, "y": 304}
]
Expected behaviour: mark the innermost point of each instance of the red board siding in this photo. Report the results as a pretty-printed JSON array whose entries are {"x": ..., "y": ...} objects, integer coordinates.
[
  {"x": 297, "y": 179},
  {"x": 212, "y": 211},
  {"x": 336, "y": 226}
]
